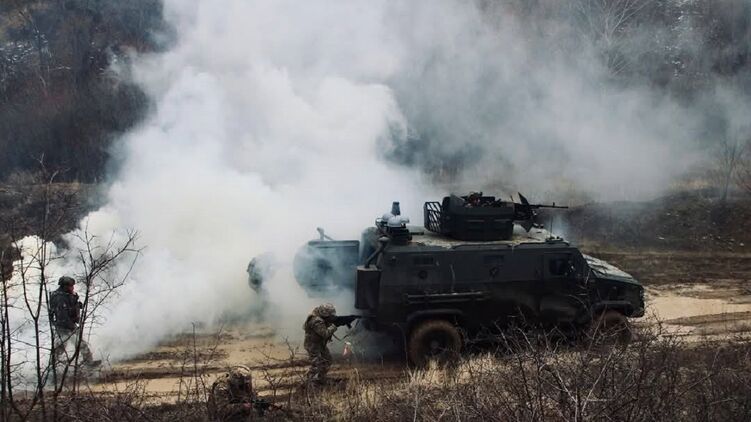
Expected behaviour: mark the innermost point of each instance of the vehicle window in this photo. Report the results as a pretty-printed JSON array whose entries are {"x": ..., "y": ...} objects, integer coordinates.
[{"x": 559, "y": 266}]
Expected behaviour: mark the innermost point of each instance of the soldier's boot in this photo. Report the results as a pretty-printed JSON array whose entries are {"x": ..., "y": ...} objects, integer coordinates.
[
  {"x": 88, "y": 358},
  {"x": 314, "y": 377},
  {"x": 322, "y": 378}
]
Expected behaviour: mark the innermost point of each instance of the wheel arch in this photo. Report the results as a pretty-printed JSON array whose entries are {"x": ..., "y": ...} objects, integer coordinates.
[{"x": 623, "y": 306}]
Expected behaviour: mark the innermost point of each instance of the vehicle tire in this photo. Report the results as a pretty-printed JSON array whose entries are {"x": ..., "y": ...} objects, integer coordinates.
[
  {"x": 434, "y": 339},
  {"x": 610, "y": 327}
]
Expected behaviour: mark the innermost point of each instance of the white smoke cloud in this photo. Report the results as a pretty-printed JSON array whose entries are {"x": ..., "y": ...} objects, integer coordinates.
[{"x": 268, "y": 122}]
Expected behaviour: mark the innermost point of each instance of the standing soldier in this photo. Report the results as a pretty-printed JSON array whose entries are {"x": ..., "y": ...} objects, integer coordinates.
[
  {"x": 231, "y": 397},
  {"x": 65, "y": 313},
  {"x": 319, "y": 328}
]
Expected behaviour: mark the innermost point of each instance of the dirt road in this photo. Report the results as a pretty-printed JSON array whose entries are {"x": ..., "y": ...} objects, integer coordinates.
[{"x": 693, "y": 293}]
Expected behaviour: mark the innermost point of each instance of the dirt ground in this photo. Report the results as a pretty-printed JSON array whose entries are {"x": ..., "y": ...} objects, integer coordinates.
[{"x": 694, "y": 295}]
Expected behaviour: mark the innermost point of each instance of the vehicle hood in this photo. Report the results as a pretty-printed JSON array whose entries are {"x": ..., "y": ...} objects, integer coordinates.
[{"x": 603, "y": 269}]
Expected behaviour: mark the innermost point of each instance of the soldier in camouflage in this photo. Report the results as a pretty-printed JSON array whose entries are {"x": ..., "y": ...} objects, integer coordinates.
[
  {"x": 231, "y": 397},
  {"x": 65, "y": 314},
  {"x": 319, "y": 328}
]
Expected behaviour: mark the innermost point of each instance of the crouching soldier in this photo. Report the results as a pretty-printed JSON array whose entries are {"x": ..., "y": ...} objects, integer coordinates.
[
  {"x": 319, "y": 328},
  {"x": 65, "y": 313},
  {"x": 232, "y": 398}
]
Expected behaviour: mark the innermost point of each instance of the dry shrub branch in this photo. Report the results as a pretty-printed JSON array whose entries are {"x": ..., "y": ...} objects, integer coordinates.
[
  {"x": 656, "y": 377},
  {"x": 41, "y": 371}
]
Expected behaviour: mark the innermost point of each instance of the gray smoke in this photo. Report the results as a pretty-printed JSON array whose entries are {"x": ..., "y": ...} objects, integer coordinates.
[{"x": 561, "y": 98}]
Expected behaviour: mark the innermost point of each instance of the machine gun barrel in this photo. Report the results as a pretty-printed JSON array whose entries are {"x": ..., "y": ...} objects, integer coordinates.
[
  {"x": 526, "y": 213},
  {"x": 525, "y": 204},
  {"x": 345, "y": 320},
  {"x": 553, "y": 205}
]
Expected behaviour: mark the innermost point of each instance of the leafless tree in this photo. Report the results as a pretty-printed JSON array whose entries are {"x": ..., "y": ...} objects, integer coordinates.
[
  {"x": 743, "y": 172},
  {"x": 101, "y": 266},
  {"x": 6, "y": 390},
  {"x": 97, "y": 259},
  {"x": 728, "y": 157},
  {"x": 604, "y": 22},
  {"x": 33, "y": 286}
]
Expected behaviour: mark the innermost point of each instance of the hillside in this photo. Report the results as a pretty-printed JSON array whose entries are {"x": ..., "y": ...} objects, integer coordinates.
[
  {"x": 686, "y": 221},
  {"x": 65, "y": 92}
]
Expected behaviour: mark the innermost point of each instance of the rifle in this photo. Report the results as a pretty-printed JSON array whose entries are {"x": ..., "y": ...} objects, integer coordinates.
[
  {"x": 262, "y": 405},
  {"x": 345, "y": 320}
]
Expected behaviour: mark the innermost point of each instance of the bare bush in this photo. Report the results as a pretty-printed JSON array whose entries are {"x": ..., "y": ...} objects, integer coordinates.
[
  {"x": 196, "y": 362},
  {"x": 526, "y": 377}
]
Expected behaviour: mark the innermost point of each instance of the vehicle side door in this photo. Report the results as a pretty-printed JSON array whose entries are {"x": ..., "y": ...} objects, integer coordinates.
[{"x": 562, "y": 294}]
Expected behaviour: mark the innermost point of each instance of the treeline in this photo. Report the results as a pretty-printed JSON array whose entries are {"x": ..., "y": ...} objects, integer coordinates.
[
  {"x": 682, "y": 45},
  {"x": 60, "y": 98}
]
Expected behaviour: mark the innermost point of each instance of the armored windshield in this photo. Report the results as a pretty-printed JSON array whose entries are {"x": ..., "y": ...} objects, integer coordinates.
[{"x": 605, "y": 269}]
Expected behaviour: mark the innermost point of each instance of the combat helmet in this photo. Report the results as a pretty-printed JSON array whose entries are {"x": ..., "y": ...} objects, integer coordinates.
[
  {"x": 240, "y": 376},
  {"x": 66, "y": 281},
  {"x": 326, "y": 310}
]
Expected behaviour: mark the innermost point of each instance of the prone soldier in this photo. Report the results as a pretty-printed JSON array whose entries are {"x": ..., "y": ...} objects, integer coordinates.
[
  {"x": 65, "y": 314},
  {"x": 232, "y": 398}
]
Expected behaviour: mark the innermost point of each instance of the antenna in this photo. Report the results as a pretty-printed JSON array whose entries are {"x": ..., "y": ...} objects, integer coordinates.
[{"x": 552, "y": 219}]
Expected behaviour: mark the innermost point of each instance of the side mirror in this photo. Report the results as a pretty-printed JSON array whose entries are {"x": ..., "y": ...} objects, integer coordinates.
[{"x": 570, "y": 269}]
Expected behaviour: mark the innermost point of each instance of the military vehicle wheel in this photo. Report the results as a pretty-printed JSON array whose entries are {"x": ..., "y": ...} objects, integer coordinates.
[
  {"x": 611, "y": 327},
  {"x": 434, "y": 339}
]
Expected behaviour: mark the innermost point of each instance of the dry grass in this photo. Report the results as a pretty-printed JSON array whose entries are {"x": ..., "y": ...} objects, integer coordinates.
[
  {"x": 525, "y": 378},
  {"x": 655, "y": 378}
]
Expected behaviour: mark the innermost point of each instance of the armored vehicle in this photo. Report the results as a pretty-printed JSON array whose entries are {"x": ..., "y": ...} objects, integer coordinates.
[{"x": 435, "y": 288}]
